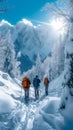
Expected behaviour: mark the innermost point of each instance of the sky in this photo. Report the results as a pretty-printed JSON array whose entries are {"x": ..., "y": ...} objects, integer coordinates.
[{"x": 19, "y": 9}]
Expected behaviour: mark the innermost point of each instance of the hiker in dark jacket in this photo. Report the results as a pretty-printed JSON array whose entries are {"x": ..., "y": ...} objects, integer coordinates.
[{"x": 36, "y": 84}]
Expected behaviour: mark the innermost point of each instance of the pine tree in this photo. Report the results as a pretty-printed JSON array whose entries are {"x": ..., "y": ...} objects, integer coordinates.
[
  {"x": 8, "y": 62},
  {"x": 57, "y": 60},
  {"x": 68, "y": 76},
  {"x": 69, "y": 53},
  {"x": 38, "y": 66}
]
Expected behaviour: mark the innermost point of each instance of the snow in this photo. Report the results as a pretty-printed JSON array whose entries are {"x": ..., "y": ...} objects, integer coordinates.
[
  {"x": 44, "y": 113},
  {"x": 24, "y": 115},
  {"x": 53, "y": 104},
  {"x": 69, "y": 47},
  {"x": 52, "y": 112},
  {"x": 47, "y": 115},
  {"x": 6, "y": 103},
  {"x": 26, "y": 35},
  {"x": 56, "y": 86},
  {"x": 5, "y": 22},
  {"x": 25, "y": 21}
]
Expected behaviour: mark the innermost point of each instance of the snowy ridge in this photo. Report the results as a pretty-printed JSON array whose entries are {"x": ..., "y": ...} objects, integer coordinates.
[
  {"x": 4, "y": 22},
  {"x": 25, "y": 35}
]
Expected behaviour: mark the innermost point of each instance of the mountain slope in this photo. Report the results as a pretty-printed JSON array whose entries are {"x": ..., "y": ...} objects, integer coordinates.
[{"x": 29, "y": 40}]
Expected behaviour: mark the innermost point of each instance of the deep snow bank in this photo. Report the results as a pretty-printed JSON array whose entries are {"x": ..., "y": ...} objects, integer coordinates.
[
  {"x": 48, "y": 115},
  {"x": 8, "y": 90}
]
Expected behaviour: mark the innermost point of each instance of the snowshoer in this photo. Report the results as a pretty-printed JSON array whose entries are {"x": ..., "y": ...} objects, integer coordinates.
[
  {"x": 46, "y": 84},
  {"x": 26, "y": 85},
  {"x": 36, "y": 84}
]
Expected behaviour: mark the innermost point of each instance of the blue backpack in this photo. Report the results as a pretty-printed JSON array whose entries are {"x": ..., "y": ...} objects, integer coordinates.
[{"x": 36, "y": 82}]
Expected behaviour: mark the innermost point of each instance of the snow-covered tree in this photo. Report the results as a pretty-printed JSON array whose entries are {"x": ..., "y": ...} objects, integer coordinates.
[
  {"x": 38, "y": 65},
  {"x": 2, "y": 49},
  {"x": 39, "y": 69},
  {"x": 8, "y": 62},
  {"x": 68, "y": 76},
  {"x": 57, "y": 59}
]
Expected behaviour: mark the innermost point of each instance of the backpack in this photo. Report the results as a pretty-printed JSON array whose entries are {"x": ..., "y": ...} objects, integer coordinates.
[
  {"x": 26, "y": 82},
  {"x": 46, "y": 81},
  {"x": 36, "y": 82}
]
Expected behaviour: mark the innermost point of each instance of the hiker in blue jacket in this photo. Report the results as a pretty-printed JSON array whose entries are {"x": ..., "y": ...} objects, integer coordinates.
[{"x": 36, "y": 84}]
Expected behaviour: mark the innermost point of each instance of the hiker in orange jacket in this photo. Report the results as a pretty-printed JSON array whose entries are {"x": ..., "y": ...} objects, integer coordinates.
[
  {"x": 46, "y": 84},
  {"x": 26, "y": 85}
]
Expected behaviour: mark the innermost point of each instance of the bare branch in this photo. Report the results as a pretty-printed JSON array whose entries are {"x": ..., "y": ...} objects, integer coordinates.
[
  {"x": 61, "y": 12},
  {"x": 55, "y": 8}
]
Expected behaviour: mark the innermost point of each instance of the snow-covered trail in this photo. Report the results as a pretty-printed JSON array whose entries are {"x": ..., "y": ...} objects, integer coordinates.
[
  {"x": 30, "y": 111},
  {"x": 33, "y": 109},
  {"x": 15, "y": 114},
  {"x": 27, "y": 113}
]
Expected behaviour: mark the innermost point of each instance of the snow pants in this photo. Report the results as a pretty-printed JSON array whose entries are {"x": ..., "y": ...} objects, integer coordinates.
[
  {"x": 26, "y": 93},
  {"x": 46, "y": 90},
  {"x": 36, "y": 93}
]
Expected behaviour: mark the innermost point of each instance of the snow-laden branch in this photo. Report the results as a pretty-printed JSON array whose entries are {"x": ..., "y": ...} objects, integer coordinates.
[{"x": 55, "y": 8}]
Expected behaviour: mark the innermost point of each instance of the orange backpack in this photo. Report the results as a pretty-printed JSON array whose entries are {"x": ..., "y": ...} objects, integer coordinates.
[
  {"x": 26, "y": 82},
  {"x": 46, "y": 81}
]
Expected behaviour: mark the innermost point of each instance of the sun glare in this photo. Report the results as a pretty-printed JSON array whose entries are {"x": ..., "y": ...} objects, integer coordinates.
[{"x": 57, "y": 24}]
